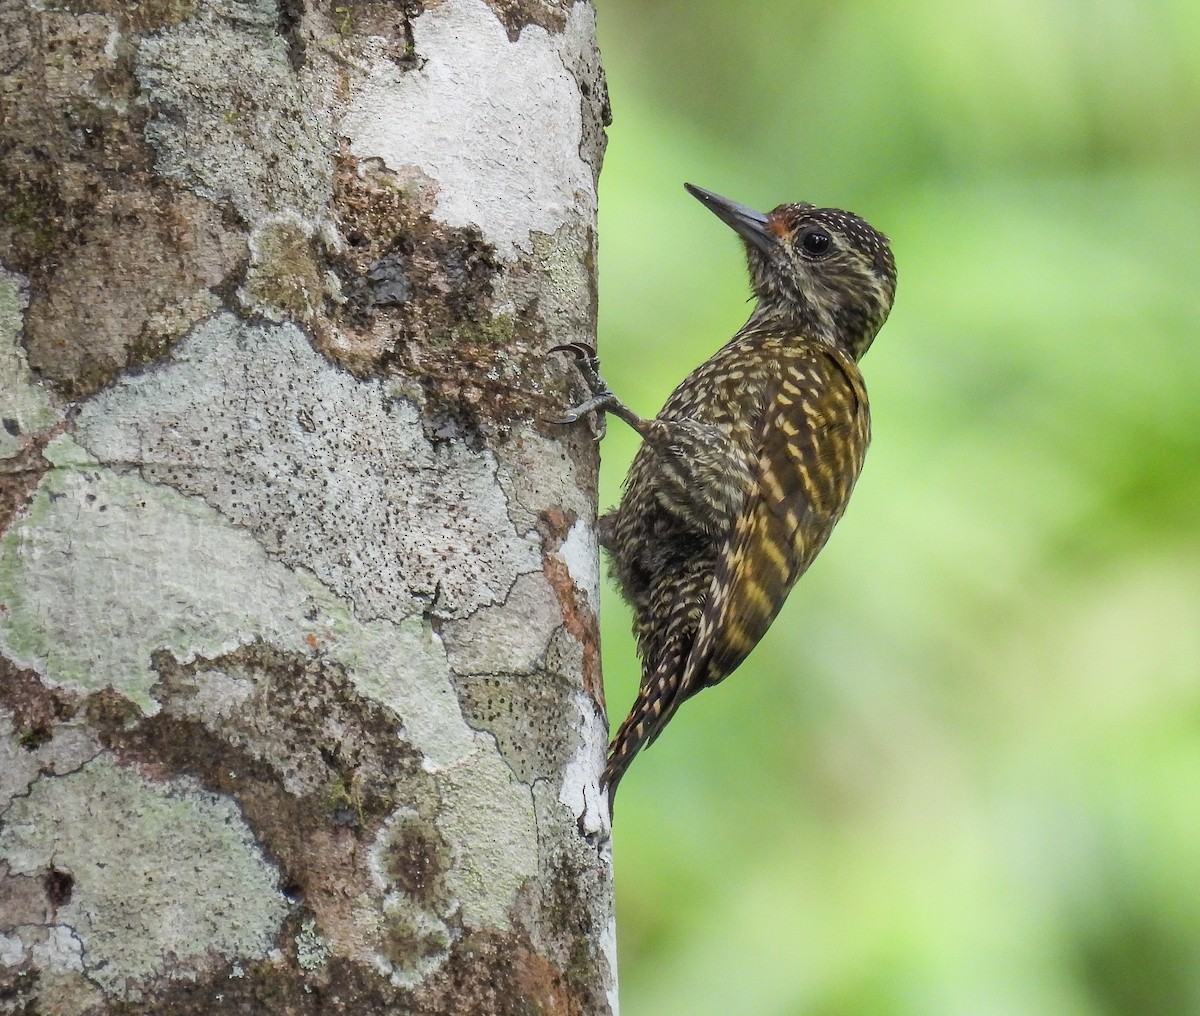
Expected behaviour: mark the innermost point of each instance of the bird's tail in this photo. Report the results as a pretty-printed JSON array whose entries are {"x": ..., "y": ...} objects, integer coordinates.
[{"x": 658, "y": 698}]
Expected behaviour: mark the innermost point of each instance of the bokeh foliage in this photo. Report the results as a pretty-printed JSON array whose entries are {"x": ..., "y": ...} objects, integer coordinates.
[{"x": 962, "y": 773}]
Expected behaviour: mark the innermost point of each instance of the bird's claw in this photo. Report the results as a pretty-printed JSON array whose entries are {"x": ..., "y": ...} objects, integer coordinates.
[
  {"x": 579, "y": 350},
  {"x": 589, "y": 366}
]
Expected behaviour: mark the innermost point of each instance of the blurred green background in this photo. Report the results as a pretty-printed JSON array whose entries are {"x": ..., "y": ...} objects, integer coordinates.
[{"x": 961, "y": 775}]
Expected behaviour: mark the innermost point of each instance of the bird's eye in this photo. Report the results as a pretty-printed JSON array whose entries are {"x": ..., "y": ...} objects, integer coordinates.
[{"x": 815, "y": 241}]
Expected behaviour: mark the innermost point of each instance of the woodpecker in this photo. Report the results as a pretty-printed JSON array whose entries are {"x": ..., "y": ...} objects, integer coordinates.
[{"x": 742, "y": 476}]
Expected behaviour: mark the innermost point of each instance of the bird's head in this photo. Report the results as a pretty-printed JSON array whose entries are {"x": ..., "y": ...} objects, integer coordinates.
[{"x": 819, "y": 270}]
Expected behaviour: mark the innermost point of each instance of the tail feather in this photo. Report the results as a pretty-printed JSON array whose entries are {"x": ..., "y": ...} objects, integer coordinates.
[{"x": 656, "y": 703}]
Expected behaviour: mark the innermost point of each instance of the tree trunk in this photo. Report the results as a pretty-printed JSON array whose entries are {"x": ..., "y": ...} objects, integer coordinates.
[{"x": 300, "y": 700}]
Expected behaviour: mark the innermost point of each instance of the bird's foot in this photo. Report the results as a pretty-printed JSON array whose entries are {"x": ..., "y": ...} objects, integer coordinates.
[
  {"x": 597, "y": 402},
  {"x": 601, "y": 398}
]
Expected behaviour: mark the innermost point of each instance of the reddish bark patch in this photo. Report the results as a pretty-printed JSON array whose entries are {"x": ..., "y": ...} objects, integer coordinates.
[
  {"x": 555, "y": 525},
  {"x": 36, "y": 708},
  {"x": 501, "y": 975},
  {"x": 580, "y": 621},
  {"x": 19, "y": 478},
  {"x": 578, "y": 616}
]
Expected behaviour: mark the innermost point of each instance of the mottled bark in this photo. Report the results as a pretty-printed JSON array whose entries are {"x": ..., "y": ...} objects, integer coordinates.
[{"x": 299, "y": 688}]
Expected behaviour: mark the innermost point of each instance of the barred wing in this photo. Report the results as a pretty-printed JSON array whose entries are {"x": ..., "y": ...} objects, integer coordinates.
[{"x": 813, "y": 435}]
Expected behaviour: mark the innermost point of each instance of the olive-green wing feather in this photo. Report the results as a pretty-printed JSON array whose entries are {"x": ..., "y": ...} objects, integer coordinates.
[{"x": 813, "y": 435}]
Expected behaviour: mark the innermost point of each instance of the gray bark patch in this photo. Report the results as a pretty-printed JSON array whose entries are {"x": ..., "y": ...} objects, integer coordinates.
[
  {"x": 188, "y": 874},
  {"x": 317, "y": 465}
]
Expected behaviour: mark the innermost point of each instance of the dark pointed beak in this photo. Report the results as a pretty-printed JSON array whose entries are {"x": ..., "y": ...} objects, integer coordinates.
[{"x": 750, "y": 225}]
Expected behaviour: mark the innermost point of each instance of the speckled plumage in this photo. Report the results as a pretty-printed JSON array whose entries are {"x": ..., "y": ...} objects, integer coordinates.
[{"x": 744, "y": 473}]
